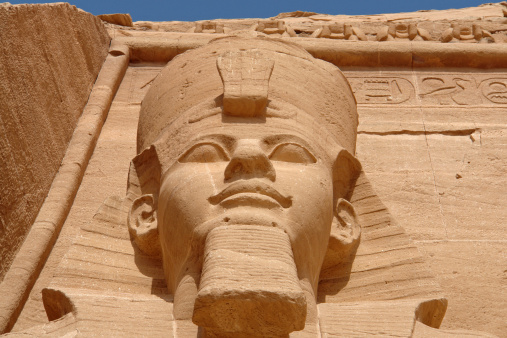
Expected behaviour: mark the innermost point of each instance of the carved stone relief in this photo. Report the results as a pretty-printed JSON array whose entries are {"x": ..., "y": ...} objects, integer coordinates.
[
  {"x": 274, "y": 28},
  {"x": 382, "y": 90},
  {"x": 442, "y": 89},
  {"x": 449, "y": 90},
  {"x": 340, "y": 32},
  {"x": 402, "y": 31},
  {"x": 293, "y": 25},
  {"x": 462, "y": 89},
  {"x": 495, "y": 90},
  {"x": 210, "y": 27},
  {"x": 462, "y": 32}
]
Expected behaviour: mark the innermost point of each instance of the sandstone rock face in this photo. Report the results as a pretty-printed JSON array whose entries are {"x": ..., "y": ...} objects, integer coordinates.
[
  {"x": 429, "y": 199},
  {"x": 50, "y": 56},
  {"x": 439, "y": 167},
  {"x": 117, "y": 19}
]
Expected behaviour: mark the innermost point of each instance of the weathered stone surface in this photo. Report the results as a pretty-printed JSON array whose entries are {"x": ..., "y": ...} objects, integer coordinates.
[
  {"x": 235, "y": 257},
  {"x": 32, "y": 255},
  {"x": 117, "y": 19},
  {"x": 50, "y": 56},
  {"x": 471, "y": 272},
  {"x": 431, "y": 142},
  {"x": 483, "y": 24},
  {"x": 438, "y": 163},
  {"x": 105, "y": 177}
]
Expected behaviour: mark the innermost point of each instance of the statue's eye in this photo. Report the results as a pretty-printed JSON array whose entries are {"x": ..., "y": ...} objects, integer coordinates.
[
  {"x": 291, "y": 152},
  {"x": 204, "y": 153}
]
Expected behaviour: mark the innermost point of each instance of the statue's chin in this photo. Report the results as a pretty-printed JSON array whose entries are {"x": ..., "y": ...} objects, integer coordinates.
[{"x": 249, "y": 283}]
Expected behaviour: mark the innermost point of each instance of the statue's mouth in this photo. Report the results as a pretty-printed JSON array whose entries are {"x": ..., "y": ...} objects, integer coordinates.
[{"x": 249, "y": 188}]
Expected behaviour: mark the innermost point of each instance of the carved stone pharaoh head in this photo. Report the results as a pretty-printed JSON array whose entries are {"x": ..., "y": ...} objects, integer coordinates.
[{"x": 241, "y": 183}]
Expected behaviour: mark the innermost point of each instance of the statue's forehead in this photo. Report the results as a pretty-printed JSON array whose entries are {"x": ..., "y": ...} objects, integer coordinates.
[
  {"x": 271, "y": 130},
  {"x": 266, "y": 133},
  {"x": 249, "y": 129},
  {"x": 297, "y": 127}
]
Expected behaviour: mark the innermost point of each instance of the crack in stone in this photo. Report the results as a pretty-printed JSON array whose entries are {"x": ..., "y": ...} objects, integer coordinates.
[{"x": 458, "y": 132}]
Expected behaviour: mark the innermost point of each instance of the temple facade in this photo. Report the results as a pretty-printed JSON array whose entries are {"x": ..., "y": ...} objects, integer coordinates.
[{"x": 306, "y": 175}]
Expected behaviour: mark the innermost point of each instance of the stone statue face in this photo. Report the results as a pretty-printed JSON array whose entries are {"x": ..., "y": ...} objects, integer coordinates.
[{"x": 246, "y": 173}]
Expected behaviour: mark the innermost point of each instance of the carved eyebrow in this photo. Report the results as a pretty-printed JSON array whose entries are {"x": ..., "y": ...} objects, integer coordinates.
[
  {"x": 274, "y": 140},
  {"x": 225, "y": 141},
  {"x": 203, "y": 152}
]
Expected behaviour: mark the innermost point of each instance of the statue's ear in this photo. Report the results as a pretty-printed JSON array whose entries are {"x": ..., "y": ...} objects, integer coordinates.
[
  {"x": 345, "y": 230},
  {"x": 142, "y": 223},
  {"x": 142, "y": 190},
  {"x": 346, "y": 170}
]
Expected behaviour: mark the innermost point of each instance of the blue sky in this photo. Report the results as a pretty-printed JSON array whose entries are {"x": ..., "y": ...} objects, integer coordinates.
[{"x": 191, "y": 10}]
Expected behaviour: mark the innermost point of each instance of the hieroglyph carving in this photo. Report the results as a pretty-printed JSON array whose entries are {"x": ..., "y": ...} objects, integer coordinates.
[
  {"x": 442, "y": 32},
  {"x": 340, "y": 32},
  {"x": 402, "y": 31},
  {"x": 210, "y": 27},
  {"x": 495, "y": 90},
  {"x": 460, "y": 90},
  {"x": 381, "y": 90},
  {"x": 462, "y": 32},
  {"x": 434, "y": 89},
  {"x": 274, "y": 28}
]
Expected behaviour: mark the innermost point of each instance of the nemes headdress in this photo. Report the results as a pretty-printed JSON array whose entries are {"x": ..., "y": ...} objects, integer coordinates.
[{"x": 248, "y": 77}]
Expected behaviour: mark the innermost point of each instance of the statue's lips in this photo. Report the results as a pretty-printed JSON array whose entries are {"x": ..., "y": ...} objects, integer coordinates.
[{"x": 252, "y": 187}]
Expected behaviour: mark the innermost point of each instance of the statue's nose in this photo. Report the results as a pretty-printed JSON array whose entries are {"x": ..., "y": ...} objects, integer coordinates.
[{"x": 249, "y": 161}]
